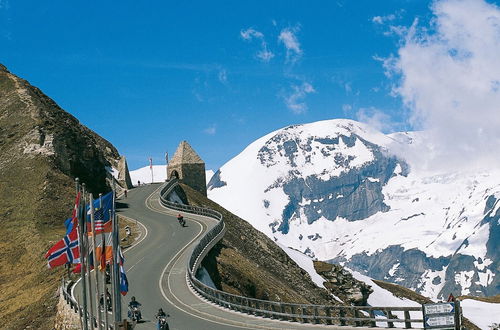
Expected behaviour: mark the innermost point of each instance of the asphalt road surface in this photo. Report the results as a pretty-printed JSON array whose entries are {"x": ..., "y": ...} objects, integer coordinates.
[{"x": 156, "y": 268}]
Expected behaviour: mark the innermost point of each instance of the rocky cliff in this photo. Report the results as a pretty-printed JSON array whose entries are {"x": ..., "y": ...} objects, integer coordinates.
[{"x": 42, "y": 150}]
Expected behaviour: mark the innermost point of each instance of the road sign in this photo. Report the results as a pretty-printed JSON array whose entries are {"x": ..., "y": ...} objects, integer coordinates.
[
  {"x": 440, "y": 316},
  {"x": 441, "y": 308},
  {"x": 441, "y": 320}
]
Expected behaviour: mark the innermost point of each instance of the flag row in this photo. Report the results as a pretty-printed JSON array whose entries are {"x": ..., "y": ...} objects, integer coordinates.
[{"x": 67, "y": 251}]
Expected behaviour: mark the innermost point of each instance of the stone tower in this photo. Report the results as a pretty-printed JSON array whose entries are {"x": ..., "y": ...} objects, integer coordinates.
[{"x": 188, "y": 167}]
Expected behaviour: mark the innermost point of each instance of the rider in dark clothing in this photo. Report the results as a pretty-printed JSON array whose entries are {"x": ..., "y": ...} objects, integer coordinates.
[
  {"x": 133, "y": 303},
  {"x": 161, "y": 313},
  {"x": 180, "y": 218}
]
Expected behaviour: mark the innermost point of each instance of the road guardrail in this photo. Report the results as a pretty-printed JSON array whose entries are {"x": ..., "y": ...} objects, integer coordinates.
[{"x": 304, "y": 313}]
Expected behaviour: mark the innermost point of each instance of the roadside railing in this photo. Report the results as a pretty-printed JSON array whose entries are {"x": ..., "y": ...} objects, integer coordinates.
[
  {"x": 304, "y": 313},
  {"x": 66, "y": 287}
]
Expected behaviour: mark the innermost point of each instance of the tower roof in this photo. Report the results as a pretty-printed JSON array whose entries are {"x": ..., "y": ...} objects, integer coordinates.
[{"x": 185, "y": 154}]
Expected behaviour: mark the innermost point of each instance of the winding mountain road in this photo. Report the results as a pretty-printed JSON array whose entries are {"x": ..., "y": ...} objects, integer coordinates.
[{"x": 156, "y": 270}]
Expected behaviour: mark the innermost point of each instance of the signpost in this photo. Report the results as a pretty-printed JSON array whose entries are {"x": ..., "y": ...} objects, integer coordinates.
[{"x": 442, "y": 315}]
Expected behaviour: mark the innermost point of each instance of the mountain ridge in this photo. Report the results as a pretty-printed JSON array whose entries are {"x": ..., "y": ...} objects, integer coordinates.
[
  {"x": 340, "y": 191},
  {"x": 42, "y": 150}
]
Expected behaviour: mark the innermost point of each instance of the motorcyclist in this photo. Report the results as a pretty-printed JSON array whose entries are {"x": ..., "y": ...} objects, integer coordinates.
[
  {"x": 180, "y": 218},
  {"x": 161, "y": 314},
  {"x": 108, "y": 300},
  {"x": 134, "y": 304}
]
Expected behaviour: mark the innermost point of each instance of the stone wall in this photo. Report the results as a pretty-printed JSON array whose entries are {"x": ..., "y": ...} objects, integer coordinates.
[{"x": 66, "y": 318}]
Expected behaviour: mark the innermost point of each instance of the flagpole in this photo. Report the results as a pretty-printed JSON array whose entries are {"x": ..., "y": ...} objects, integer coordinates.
[
  {"x": 112, "y": 269},
  {"x": 104, "y": 284},
  {"x": 96, "y": 273},
  {"x": 81, "y": 246},
  {"x": 166, "y": 163},
  {"x": 151, "y": 167},
  {"x": 116, "y": 270},
  {"x": 77, "y": 186},
  {"x": 87, "y": 259}
]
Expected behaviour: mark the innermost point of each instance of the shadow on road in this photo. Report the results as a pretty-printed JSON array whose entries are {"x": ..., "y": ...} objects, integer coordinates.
[{"x": 121, "y": 205}]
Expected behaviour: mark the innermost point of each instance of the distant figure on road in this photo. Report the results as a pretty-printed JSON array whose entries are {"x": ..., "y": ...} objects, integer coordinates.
[
  {"x": 181, "y": 220},
  {"x": 138, "y": 183},
  {"x": 125, "y": 192}
]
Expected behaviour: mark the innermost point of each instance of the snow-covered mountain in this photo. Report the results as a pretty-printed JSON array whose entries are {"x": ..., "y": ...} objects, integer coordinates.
[{"x": 336, "y": 191}]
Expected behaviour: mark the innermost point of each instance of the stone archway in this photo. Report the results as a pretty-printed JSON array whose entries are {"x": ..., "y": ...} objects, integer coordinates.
[{"x": 174, "y": 175}]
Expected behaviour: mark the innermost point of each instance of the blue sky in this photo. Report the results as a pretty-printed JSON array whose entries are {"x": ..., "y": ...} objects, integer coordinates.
[{"x": 219, "y": 74}]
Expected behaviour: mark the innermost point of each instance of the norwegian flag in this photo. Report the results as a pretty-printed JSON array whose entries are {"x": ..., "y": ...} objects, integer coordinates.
[{"x": 65, "y": 251}]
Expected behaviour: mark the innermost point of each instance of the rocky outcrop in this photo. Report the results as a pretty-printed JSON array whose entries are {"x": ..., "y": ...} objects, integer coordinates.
[
  {"x": 397, "y": 265},
  {"x": 123, "y": 173},
  {"x": 342, "y": 284},
  {"x": 353, "y": 194},
  {"x": 42, "y": 150}
]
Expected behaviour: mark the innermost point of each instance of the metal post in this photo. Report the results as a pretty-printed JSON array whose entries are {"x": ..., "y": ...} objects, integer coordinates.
[
  {"x": 112, "y": 271},
  {"x": 87, "y": 259},
  {"x": 151, "y": 167},
  {"x": 116, "y": 267},
  {"x": 96, "y": 273},
  {"x": 458, "y": 314},
  {"x": 105, "y": 286},
  {"x": 81, "y": 231}
]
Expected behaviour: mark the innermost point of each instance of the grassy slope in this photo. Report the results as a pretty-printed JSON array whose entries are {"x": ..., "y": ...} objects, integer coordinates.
[
  {"x": 32, "y": 222},
  {"x": 32, "y": 197},
  {"x": 36, "y": 195}
]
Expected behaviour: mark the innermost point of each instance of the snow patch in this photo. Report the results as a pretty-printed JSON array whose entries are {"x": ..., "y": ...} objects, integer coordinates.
[{"x": 482, "y": 314}]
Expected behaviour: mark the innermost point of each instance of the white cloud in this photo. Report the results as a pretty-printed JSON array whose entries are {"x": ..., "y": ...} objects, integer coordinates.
[
  {"x": 375, "y": 118},
  {"x": 222, "y": 76},
  {"x": 289, "y": 39},
  {"x": 250, "y": 33},
  {"x": 388, "y": 18},
  {"x": 211, "y": 130},
  {"x": 346, "y": 108},
  {"x": 449, "y": 74},
  {"x": 383, "y": 19},
  {"x": 264, "y": 54},
  {"x": 348, "y": 87},
  {"x": 295, "y": 100}
]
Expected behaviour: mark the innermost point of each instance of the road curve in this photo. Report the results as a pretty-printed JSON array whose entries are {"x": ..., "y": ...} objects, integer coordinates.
[{"x": 156, "y": 269}]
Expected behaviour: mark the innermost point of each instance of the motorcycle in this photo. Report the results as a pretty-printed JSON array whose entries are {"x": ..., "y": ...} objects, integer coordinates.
[
  {"x": 108, "y": 302},
  {"x": 181, "y": 220},
  {"x": 135, "y": 314},
  {"x": 162, "y": 321}
]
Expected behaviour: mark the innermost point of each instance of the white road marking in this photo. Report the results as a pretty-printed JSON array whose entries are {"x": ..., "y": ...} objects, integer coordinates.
[{"x": 175, "y": 259}]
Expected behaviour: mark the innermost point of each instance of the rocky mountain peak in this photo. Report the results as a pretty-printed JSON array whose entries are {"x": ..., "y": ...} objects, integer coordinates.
[{"x": 336, "y": 191}]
